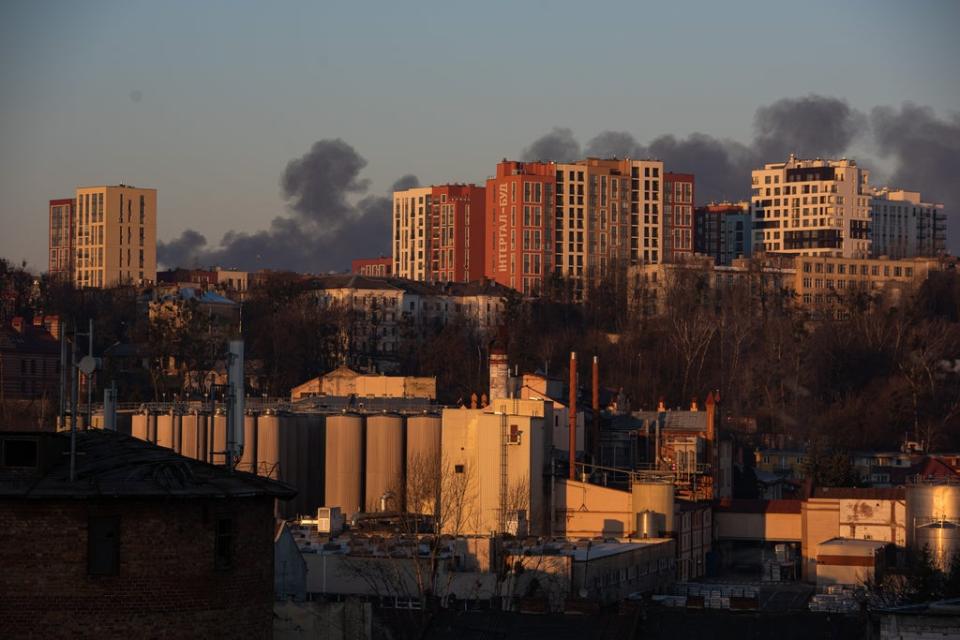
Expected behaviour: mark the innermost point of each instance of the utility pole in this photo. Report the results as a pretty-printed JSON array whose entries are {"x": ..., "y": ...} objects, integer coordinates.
[
  {"x": 89, "y": 376},
  {"x": 74, "y": 390}
]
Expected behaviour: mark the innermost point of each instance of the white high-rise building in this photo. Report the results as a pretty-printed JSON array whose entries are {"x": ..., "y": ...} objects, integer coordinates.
[
  {"x": 812, "y": 207},
  {"x": 411, "y": 233},
  {"x": 903, "y": 226}
]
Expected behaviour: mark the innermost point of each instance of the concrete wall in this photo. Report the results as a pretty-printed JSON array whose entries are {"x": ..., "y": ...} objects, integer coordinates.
[{"x": 586, "y": 510}]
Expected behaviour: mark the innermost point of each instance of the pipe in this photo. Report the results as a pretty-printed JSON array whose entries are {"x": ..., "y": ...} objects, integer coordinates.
[
  {"x": 572, "y": 442},
  {"x": 596, "y": 409}
]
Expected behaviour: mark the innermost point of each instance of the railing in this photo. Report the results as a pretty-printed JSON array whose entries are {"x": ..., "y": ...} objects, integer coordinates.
[{"x": 645, "y": 472}]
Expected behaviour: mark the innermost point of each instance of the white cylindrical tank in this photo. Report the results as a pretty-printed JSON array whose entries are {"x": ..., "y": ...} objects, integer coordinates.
[
  {"x": 138, "y": 426},
  {"x": 218, "y": 439},
  {"x": 268, "y": 447},
  {"x": 248, "y": 461},
  {"x": 656, "y": 497},
  {"x": 165, "y": 430},
  {"x": 189, "y": 445},
  {"x": 423, "y": 461},
  {"x": 933, "y": 520},
  {"x": 384, "y": 461},
  {"x": 343, "y": 468}
]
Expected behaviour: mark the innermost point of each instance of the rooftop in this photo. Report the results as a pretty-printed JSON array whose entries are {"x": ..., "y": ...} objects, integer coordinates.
[{"x": 110, "y": 464}]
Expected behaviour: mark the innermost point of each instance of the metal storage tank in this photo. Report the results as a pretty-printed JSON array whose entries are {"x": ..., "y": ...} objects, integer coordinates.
[
  {"x": 151, "y": 427},
  {"x": 164, "y": 423},
  {"x": 248, "y": 461},
  {"x": 138, "y": 426},
  {"x": 656, "y": 497},
  {"x": 343, "y": 466},
  {"x": 268, "y": 446},
  {"x": 384, "y": 461},
  {"x": 423, "y": 457},
  {"x": 178, "y": 432},
  {"x": 933, "y": 520},
  {"x": 189, "y": 434},
  {"x": 217, "y": 438},
  {"x": 313, "y": 463}
]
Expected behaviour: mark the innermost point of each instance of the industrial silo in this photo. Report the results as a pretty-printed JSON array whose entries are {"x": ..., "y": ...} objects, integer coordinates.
[
  {"x": 658, "y": 498},
  {"x": 313, "y": 463},
  {"x": 204, "y": 420},
  {"x": 933, "y": 520},
  {"x": 138, "y": 426},
  {"x": 384, "y": 462},
  {"x": 164, "y": 423},
  {"x": 178, "y": 432},
  {"x": 343, "y": 463},
  {"x": 248, "y": 461},
  {"x": 217, "y": 439},
  {"x": 423, "y": 459},
  {"x": 268, "y": 446},
  {"x": 189, "y": 445}
]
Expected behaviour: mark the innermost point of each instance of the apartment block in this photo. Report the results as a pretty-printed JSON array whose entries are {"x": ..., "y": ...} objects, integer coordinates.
[
  {"x": 116, "y": 236},
  {"x": 723, "y": 231},
  {"x": 438, "y": 233},
  {"x": 812, "y": 207},
  {"x": 381, "y": 267},
  {"x": 904, "y": 226},
  {"x": 679, "y": 221},
  {"x": 411, "y": 232},
  {"x": 823, "y": 280},
  {"x": 61, "y": 239},
  {"x": 607, "y": 213},
  {"x": 519, "y": 225}
]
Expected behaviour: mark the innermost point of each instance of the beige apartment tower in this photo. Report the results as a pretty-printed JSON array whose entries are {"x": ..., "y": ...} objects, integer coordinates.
[
  {"x": 412, "y": 232},
  {"x": 116, "y": 236},
  {"x": 812, "y": 208}
]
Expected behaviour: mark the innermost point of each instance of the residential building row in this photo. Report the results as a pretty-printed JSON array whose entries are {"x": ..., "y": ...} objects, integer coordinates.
[{"x": 586, "y": 220}]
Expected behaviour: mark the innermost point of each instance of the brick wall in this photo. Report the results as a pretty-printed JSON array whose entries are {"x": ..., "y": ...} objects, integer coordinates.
[{"x": 167, "y": 585}]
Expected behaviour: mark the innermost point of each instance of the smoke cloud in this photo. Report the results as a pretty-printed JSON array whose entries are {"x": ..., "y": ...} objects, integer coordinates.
[
  {"x": 324, "y": 229},
  {"x": 812, "y": 126},
  {"x": 559, "y": 145}
]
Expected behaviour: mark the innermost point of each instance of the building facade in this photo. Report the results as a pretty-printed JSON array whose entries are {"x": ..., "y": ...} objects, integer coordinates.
[
  {"x": 679, "y": 222},
  {"x": 812, "y": 207},
  {"x": 438, "y": 233},
  {"x": 519, "y": 225},
  {"x": 116, "y": 236},
  {"x": 377, "y": 267},
  {"x": 723, "y": 231},
  {"x": 823, "y": 280},
  {"x": 904, "y": 226},
  {"x": 61, "y": 243}
]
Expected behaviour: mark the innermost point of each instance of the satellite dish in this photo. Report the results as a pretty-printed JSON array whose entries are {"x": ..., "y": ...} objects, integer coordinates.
[
  {"x": 583, "y": 592},
  {"x": 89, "y": 364}
]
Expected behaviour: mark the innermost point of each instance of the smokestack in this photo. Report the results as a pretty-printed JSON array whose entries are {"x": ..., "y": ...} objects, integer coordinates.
[
  {"x": 711, "y": 442},
  {"x": 235, "y": 408},
  {"x": 596, "y": 410},
  {"x": 499, "y": 373},
  {"x": 693, "y": 405},
  {"x": 573, "y": 415}
]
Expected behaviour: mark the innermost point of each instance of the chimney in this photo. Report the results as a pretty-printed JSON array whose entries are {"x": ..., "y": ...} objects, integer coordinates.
[
  {"x": 17, "y": 324},
  {"x": 711, "y": 442},
  {"x": 572, "y": 410},
  {"x": 693, "y": 405},
  {"x": 661, "y": 406},
  {"x": 596, "y": 410},
  {"x": 499, "y": 373}
]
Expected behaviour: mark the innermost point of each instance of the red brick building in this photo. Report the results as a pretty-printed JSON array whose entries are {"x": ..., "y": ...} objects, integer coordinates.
[
  {"x": 29, "y": 360},
  {"x": 678, "y": 218},
  {"x": 374, "y": 267},
  {"x": 519, "y": 225},
  {"x": 456, "y": 226},
  {"x": 143, "y": 543}
]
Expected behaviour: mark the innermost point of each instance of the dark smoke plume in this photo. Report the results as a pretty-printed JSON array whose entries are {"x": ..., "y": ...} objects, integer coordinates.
[
  {"x": 813, "y": 126},
  {"x": 559, "y": 145},
  {"x": 926, "y": 149},
  {"x": 324, "y": 229}
]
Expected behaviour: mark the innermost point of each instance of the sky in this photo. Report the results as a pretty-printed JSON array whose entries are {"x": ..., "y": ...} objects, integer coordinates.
[{"x": 209, "y": 102}]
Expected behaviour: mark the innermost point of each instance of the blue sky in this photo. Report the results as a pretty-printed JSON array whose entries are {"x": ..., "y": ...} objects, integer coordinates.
[{"x": 208, "y": 101}]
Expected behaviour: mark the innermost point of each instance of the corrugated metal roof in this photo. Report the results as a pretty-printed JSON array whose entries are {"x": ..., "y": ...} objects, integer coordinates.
[{"x": 110, "y": 464}]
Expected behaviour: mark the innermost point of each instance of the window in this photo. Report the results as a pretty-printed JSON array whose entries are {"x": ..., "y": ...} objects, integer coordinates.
[
  {"x": 223, "y": 543},
  {"x": 103, "y": 545},
  {"x": 458, "y": 468}
]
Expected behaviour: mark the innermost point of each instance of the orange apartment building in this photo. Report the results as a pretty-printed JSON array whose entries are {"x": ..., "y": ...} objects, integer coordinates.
[
  {"x": 678, "y": 219},
  {"x": 519, "y": 224}
]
